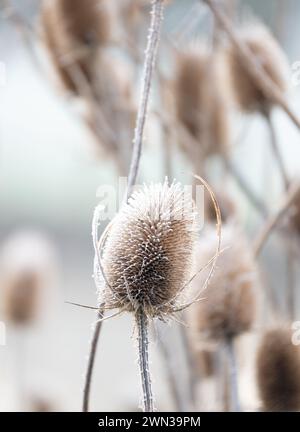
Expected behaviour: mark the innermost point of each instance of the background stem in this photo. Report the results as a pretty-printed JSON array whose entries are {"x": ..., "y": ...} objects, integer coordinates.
[
  {"x": 234, "y": 398},
  {"x": 150, "y": 56}
]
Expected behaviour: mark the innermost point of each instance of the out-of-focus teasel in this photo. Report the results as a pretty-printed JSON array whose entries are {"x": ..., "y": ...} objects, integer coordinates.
[
  {"x": 278, "y": 370},
  {"x": 78, "y": 38},
  {"x": 27, "y": 265},
  {"x": 74, "y": 31},
  {"x": 249, "y": 95},
  {"x": 228, "y": 307},
  {"x": 200, "y": 106},
  {"x": 27, "y": 277}
]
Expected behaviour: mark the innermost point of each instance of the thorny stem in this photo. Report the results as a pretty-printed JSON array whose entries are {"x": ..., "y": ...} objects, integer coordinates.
[
  {"x": 254, "y": 68},
  {"x": 150, "y": 56},
  {"x": 143, "y": 341},
  {"x": 274, "y": 220},
  {"x": 91, "y": 360},
  {"x": 234, "y": 397}
]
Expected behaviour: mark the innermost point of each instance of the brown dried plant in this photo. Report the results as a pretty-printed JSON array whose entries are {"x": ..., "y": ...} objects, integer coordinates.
[
  {"x": 74, "y": 31},
  {"x": 228, "y": 309},
  {"x": 249, "y": 95},
  {"x": 200, "y": 101},
  {"x": 229, "y": 305},
  {"x": 278, "y": 371}
]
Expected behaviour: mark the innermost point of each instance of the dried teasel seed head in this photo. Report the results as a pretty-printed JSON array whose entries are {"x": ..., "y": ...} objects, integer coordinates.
[
  {"x": 147, "y": 256},
  {"x": 268, "y": 53},
  {"x": 27, "y": 269},
  {"x": 21, "y": 299},
  {"x": 73, "y": 31},
  {"x": 278, "y": 371},
  {"x": 228, "y": 305},
  {"x": 201, "y": 107}
]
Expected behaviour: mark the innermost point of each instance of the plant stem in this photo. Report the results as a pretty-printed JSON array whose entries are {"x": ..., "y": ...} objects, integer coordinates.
[
  {"x": 276, "y": 151},
  {"x": 273, "y": 221},
  {"x": 192, "y": 376},
  {"x": 257, "y": 203},
  {"x": 143, "y": 341},
  {"x": 91, "y": 360},
  {"x": 150, "y": 57},
  {"x": 171, "y": 372},
  {"x": 253, "y": 66},
  {"x": 234, "y": 397}
]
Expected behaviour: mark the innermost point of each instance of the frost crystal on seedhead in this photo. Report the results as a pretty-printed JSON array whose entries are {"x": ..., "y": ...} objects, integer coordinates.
[{"x": 148, "y": 253}]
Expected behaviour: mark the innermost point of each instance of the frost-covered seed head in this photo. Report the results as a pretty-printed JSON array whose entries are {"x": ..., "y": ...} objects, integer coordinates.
[{"x": 148, "y": 253}]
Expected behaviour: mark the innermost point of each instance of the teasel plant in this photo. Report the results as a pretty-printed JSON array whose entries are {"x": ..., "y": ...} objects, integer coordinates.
[
  {"x": 27, "y": 269},
  {"x": 78, "y": 38},
  {"x": 264, "y": 82},
  {"x": 229, "y": 306},
  {"x": 201, "y": 111},
  {"x": 278, "y": 369},
  {"x": 154, "y": 232},
  {"x": 248, "y": 93}
]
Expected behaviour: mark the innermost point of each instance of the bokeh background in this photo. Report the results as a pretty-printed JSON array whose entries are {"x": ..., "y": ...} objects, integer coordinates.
[{"x": 49, "y": 175}]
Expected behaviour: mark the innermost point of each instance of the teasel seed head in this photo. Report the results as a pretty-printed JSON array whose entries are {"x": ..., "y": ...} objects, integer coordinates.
[
  {"x": 73, "y": 32},
  {"x": 228, "y": 305},
  {"x": 147, "y": 255},
  {"x": 201, "y": 107},
  {"x": 27, "y": 269},
  {"x": 269, "y": 55},
  {"x": 21, "y": 299},
  {"x": 278, "y": 371}
]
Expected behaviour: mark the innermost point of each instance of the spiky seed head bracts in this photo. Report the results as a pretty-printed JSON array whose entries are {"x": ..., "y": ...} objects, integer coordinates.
[{"x": 147, "y": 256}]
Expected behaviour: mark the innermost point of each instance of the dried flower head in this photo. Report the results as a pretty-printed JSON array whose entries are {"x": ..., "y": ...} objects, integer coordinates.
[
  {"x": 21, "y": 299},
  {"x": 201, "y": 106},
  {"x": 27, "y": 268},
  {"x": 278, "y": 371},
  {"x": 228, "y": 308},
  {"x": 148, "y": 253},
  {"x": 268, "y": 53},
  {"x": 73, "y": 32}
]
